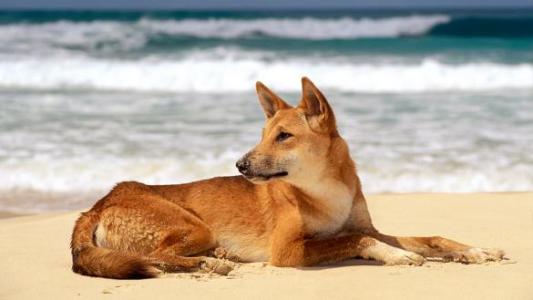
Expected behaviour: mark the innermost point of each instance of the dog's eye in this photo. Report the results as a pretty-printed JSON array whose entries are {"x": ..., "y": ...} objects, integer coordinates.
[{"x": 283, "y": 136}]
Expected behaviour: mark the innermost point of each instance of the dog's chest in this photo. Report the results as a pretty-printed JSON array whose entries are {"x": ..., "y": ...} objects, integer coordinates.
[{"x": 333, "y": 211}]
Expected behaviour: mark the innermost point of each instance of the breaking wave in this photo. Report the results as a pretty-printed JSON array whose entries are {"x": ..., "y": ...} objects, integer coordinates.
[
  {"x": 137, "y": 33},
  {"x": 237, "y": 75}
]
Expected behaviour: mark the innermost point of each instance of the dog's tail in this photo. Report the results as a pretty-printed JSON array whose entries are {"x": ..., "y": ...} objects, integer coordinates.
[{"x": 89, "y": 259}]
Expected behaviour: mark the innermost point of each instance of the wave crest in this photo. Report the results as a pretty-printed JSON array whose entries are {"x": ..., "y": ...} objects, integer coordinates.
[
  {"x": 237, "y": 75},
  {"x": 304, "y": 28},
  {"x": 133, "y": 35}
]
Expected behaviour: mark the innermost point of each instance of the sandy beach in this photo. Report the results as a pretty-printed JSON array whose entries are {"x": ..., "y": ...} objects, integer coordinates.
[{"x": 36, "y": 259}]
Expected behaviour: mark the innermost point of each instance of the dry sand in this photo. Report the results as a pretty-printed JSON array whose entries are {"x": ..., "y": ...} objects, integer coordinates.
[{"x": 35, "y": 260}]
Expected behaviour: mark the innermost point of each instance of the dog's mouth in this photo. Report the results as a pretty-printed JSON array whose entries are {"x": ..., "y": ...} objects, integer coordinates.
[{"x": 265, "y": 177}]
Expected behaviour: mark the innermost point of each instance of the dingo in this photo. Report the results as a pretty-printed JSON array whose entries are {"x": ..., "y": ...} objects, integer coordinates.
[{"x": 298, "y": 203}]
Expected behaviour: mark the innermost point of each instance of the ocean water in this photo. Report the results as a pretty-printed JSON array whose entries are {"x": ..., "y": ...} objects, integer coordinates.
[{"x": 429, "y": 101}]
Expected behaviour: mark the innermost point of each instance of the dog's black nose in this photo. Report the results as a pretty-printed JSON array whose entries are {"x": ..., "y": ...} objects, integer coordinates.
[{"x": 243, "y": 165}]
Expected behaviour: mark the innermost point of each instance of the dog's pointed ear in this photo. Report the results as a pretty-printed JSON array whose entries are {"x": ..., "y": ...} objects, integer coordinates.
[
  {"x": 270, "y": 102},
  {"x": 317, "y": 109}
]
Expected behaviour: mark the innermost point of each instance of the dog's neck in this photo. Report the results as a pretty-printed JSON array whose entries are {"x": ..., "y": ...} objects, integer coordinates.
[{"x": 325, "y": 187}]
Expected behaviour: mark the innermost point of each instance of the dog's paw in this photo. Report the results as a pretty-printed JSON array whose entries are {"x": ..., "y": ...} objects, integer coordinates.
[
  {"x": 220, "y": 252},
  {"x": 218, "y": 266},
  {"x": 402, "y": 257},
  {"x": 475, "y": 255}
]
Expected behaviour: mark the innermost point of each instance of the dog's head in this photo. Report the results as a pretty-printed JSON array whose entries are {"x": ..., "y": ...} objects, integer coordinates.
[{"x": 296, "y": 141}]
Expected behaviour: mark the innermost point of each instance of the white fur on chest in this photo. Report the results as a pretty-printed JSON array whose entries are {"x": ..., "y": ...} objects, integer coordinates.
[{"x": 336, "y": 200}]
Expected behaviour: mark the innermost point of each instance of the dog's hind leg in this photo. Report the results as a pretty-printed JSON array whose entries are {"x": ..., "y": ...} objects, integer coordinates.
[
  {"x": 439, "y": 248},
  {"x": 166, "y": 260},
  {"x": 144, "y": 223},
  {"x": 171, "y": 255}
]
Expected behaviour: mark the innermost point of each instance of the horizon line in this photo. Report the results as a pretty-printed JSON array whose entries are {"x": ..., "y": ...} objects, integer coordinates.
[{"x": 263, "y": 8}]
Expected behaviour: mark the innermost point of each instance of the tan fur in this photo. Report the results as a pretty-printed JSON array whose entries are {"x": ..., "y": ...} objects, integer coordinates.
[{"x": 299, "y": 203}]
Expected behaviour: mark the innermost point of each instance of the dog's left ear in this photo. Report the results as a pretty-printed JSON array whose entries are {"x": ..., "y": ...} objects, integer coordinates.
[
  {"x": 317, "y": 109},
  {"x": 270, "y": 102}
]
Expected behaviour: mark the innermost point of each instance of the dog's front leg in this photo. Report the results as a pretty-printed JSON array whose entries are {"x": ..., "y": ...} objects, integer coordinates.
[
  {"x": 308, "y": 252},
  {"x": 436, "y": 247}
]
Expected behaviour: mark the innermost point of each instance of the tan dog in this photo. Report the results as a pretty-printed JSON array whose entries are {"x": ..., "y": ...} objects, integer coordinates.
[{"x": 298, "y": 203}]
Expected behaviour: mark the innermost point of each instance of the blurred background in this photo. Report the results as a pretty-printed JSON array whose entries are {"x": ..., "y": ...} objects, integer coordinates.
[{"x": 432, "y": 96}]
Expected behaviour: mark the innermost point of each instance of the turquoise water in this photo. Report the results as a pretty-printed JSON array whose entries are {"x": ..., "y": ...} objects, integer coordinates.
[{"x": 429, "y": 101}]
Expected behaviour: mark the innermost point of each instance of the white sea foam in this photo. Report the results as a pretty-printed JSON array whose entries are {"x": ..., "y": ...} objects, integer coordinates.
[
  {"x": 62, "y": 150},
  {"x": 236, "y": 75},
  {"x": 97, "y": 173}
]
